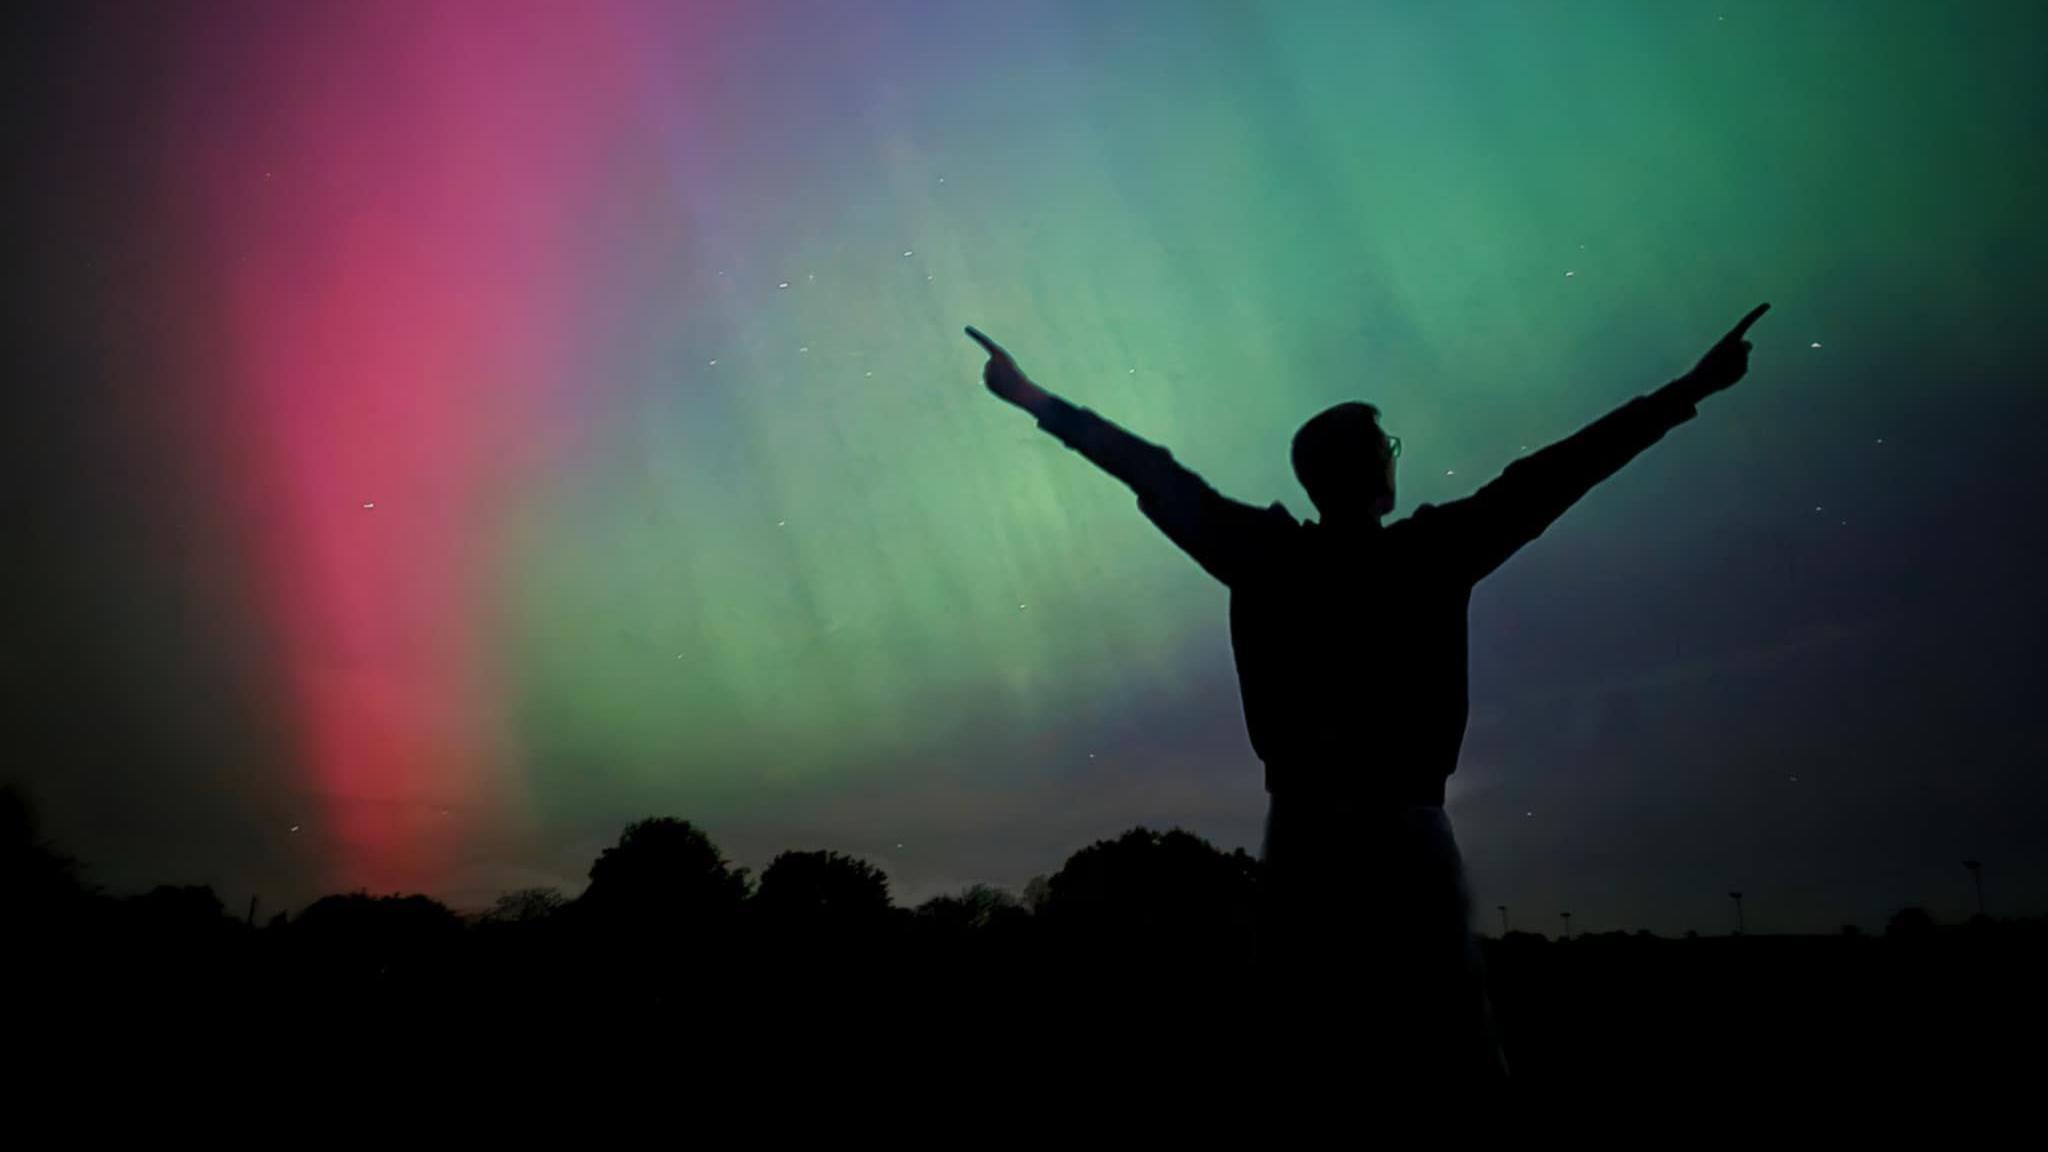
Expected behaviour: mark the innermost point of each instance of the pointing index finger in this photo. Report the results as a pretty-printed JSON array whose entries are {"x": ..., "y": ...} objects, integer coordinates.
[
  {"x": 979, "y": 337},
  {"x": 1754, "y": 313}
]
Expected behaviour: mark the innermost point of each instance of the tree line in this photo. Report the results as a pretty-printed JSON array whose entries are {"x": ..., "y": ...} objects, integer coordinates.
[{"x": 1145, "y": 944}]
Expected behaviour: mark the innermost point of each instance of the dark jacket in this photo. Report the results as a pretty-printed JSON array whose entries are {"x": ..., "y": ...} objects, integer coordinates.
[{"x": 1351, "y": 645}]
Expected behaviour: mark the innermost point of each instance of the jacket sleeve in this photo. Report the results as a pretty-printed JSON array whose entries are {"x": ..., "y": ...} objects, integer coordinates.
[
  {"x": 1487, "y": 527},
  {"x": 1227, "y": 538}
]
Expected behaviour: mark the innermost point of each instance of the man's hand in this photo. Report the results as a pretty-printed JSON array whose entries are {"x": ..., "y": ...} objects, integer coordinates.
[
  {"x": 1724, "y": 363},
  {"x": 1005, "y": 379}
]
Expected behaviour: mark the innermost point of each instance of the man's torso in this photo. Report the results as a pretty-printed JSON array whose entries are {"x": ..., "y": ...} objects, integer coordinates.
[{"x": 1351, "y": 657}]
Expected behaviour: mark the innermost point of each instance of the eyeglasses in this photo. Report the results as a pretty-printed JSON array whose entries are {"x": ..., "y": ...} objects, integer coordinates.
[{"x": 1394, "y": 447}]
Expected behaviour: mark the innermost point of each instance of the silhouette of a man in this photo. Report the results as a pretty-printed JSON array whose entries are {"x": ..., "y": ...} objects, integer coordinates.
[{"x": 1350, "y": 641}]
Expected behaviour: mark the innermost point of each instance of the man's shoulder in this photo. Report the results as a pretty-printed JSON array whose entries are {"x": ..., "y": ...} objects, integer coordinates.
[
  {"x": 1272, "y": 537},
  {"x": 1428, "y": 527},
  {"x": 1424, "y": 518}
]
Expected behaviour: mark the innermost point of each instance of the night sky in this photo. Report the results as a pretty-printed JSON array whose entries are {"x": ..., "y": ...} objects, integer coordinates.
[{"x": 441, "y": 433}]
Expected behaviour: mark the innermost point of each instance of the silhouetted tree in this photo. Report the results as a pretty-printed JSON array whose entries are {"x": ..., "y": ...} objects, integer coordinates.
[
  {"x": 661, "y": 914},
  {"x": 970, "y": 939},
  {"x": 54, "y": 922},
  {"x": 393, "y": 921},
  {"x": 187, "y": 935},
  {"x": 35, "y": 878},
  {"x": 1909, "y": 924},
  {"x": 1037, "y": 891},
  {"x": 179, "y": 910},
  {"x": 664, "y": 870},
  {"x": 979, "y": 907},
  {"x": 381, "y": 945},
  {"x": 1165, "y": 887},
  {"x": 822, "y": 921},
  {"x": 822, "y": 888},
  {"x": 526, "y": 906}
]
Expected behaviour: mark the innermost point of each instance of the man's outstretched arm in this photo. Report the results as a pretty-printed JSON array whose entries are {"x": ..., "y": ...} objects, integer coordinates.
[
  {"x": 1222, "y": 535},
  {"x": 1491, "y": 524}
]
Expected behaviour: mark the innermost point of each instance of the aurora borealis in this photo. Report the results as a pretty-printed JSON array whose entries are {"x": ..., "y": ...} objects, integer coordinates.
[{"x": 449, "y": 431}]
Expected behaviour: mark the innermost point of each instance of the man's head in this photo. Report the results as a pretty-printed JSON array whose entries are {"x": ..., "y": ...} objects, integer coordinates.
[{"x": 1346, "y": 462}]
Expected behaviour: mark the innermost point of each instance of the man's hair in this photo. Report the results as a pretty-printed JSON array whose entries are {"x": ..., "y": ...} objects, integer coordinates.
[{"x": 1331, "y": 435}]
